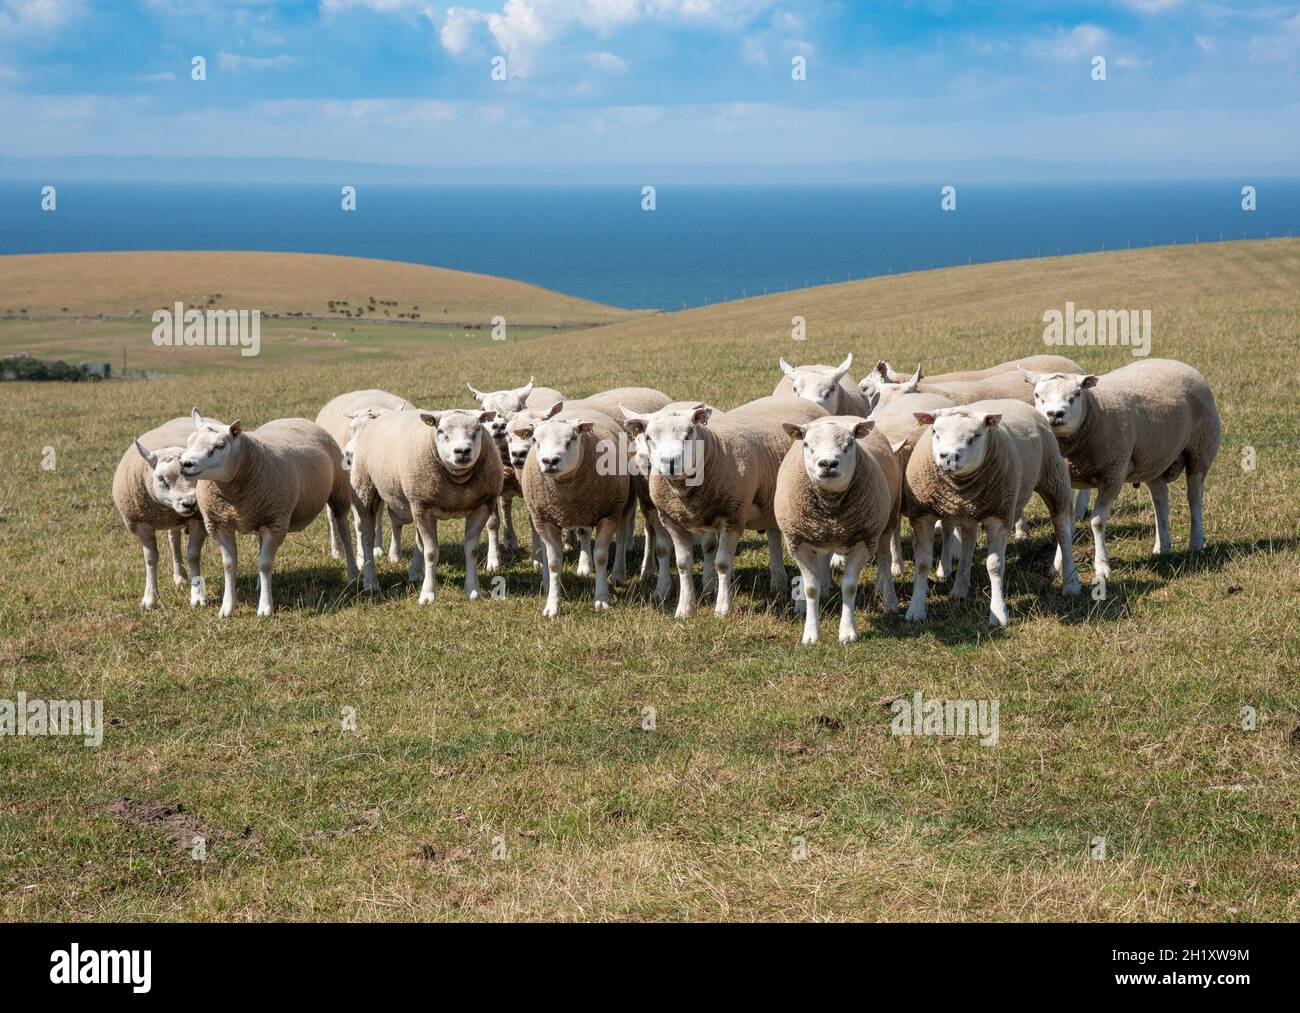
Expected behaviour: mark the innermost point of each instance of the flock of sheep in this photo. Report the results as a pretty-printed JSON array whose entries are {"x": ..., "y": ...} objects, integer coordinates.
[{"x": 828, "y": 465}]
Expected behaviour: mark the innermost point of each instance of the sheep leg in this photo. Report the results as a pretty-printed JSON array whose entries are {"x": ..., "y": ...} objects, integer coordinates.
[
  {"x": 229, "y": 565},
  {"x": 1195, "y": 506},
  {"x": 853, "y": 561},
  {"x": 684, "y": 556},
  {"x": 649, "y": 560},
  {"x": 778, "y": 581},
  {"x": 605, "y": 529},
  {"x": 493, "y": 526},
  {"x": 1100, "y": 513},
  {"x": 179, "y": 577},
  {"x": 379, "y": 537},
  {"x": 473, "y": 528},
  {"x": 728, "y": 539},
  {"x": 266, "y": 561},
  {"x": 536, "y": 547},
  {"x": 896, "y": 552},
  {"x": 969, "y": 533},
  {"x": 709, "y": 549},
  {"x": 427, "y": 525},
  {"x": 810, "y": 573},
  {"x": 663, "y": 550},
  {"x": 554, "y": 542},
  {"x": 511, "y": 540},
  {"x": 923, "y": 553},
  {"x": 149, "y": 543},
  {"x": 394, "y": 538},
  {"x": 996, "y": 564},
  {"x": 885, "y": 574},
  {"x": 624, "y": 526},
  {"x": 198, "y": 593},
  {"x": 584, "y": 552},
  {"x": 948, "y": 550},
  {"x": 1022, "y": 528},
  {"x": 415, "y": 572},
  {"x": 1159, "y": 490},
  {"x": 1081, "y": 505},
  {"x": 339, "y": 510},
  {"x": 1063, "y": 524},
  {"x": 334, "y": 543},
  {"x": 366, "y": 539}
]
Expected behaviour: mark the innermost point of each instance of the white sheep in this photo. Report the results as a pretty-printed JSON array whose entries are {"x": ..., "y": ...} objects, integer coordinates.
[
  {"x": 1146, "y": 423},
  {"x": 576, "y": 476},
  {"x": 343, "y": 418},
  {"x": 839, "y": 490},
  {"x": 978, "y": 465},
  {"x": 267, "y": 482},
  {"x": 427, "y": 466},
  {"x": 717, "y": 474},
  {"x": 828, "y": 386},
  {"x": 1045, "y": 363},
  {"x": 152, "y": 495}
]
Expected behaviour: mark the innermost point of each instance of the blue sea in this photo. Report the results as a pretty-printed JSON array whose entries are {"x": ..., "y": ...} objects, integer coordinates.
[{"x": 702, "y": 244}]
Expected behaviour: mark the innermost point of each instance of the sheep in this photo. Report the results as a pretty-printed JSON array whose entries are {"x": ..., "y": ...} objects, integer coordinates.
[
  {"x": 507, "y": 402},
  {"x": 839, "y": 489},
  {"x": 977, "y": 465},
  {"x": 897, "y": 421},
  {"x": 343, "y": 418},
  {"x": 270, "y": 481},
  {"x": 828, "y": 386},
  {"x": 717, "y": 474},
  {"x": 576, "y": 476},
  {"x": 427, "y": 466},
  {"x": 1043, "y": 363},
  {"x": 656, "y": 562},
  {"x": 1144, "y": 423},
  {"x": 152, "y": 495},
  {"x": 607, "y": 404}
]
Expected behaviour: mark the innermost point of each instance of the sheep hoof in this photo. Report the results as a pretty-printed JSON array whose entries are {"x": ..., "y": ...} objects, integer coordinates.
[
  {"x": 393, "y": 557},
  {"x": 601, "y": 606},
  {"x": 684, "y": 613},
  {"x": 1072, "y": 588},
  {"x": 1101, "y": 570},
  {"x": 370, "y": 586},
  {"x": 335, "y": 554},
  {"x": 998, "y": 618},
  {"x": 473, "y": 595},
  {"x": 896, "y": 572},
  {"x": 179, "y": 579},
  {"x": 148, "y": 603},
  {"x": 809, "y": 637},
  {"x": 263, "y": 609},
  {"x": 493, "y": 566},
  {"x": 551, "y": 611},
  {"x": 848, "y": 636},
  {"x": 915, "y": 614},
  {"x": 426, "y": 597}
]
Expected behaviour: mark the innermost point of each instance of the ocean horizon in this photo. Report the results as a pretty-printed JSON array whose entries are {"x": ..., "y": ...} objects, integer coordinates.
[{"x": 702, "y": 244}]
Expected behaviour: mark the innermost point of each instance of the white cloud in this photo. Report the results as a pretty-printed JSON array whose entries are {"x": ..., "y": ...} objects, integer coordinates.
[
  {"x": 457, "y": 32},
  {"x": 1079, "y": 42},
  {"x": 608, "y": 63},
  {"x": 38, "y": 15},
  {"x": 234, "y": 63},
  {"x": 1150, "y": 6},
  {"x": 165, "y": 75}
]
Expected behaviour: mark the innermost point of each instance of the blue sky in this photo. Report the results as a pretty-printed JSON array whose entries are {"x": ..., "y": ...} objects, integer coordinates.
[{"x": 703, "y": 86}]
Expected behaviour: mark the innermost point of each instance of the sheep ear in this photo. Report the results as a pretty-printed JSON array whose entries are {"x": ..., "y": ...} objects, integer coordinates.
[
  {"x": 992, "y": 420},
  {"x": 898, "y": 447},
  {"x": 863, "y": 428},
  {"x": 584, "y": 426},
  {"x": 554, "y": 410},
  {"x": 873, "y": 399},
  {"x": 150, "y": 458},
  {"x": 429, "y": 419},
  {"x": 913, "y": 382},
  {"x": 884, "y": 369},
  {"x": 523, "y": 392},
  {"x": 844, "y": 367},
  {"x": 1089, "y": 381},
  {"x": 1028, "y": 375},
  {"x": 486, "y": 416},
  {"x": 786, "y": 368},
  {"x": 923, "y": 418},
  {"x": 700, "y": 415},
  {"x": 236, "y": 428},
  {"x": 793, "y": 430},
  {"x": 633, "y": 424},
  {"x": 478, "y": 394},
  {"x": 196, "y": 418},
  {"x": 524, "y": 432}
]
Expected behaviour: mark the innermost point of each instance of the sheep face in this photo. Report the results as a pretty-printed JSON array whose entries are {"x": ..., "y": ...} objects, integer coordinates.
[
  {"x": 672, "y": 440},
  {"x": 519, "y": 435},
  {"x": 559, "y": 445},
  {"x": 1058, "y": 397},
  {"x": 817, "y": 384},
  {"x": 958, "y": 438},
  {"x": 167, "y": 485},
  {"x": 458, "y": 436},
  {"x": 830, "y": 455},
  {"x": 504, "y": 402},
  {"x": 359, "y": 419},
  {"x": 213, "y": 452}
]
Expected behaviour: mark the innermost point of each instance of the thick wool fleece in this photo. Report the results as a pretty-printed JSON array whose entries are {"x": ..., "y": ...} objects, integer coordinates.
[
  {"x": 851, "y": 402},
  {"x": 870, "y": 505},
  {"x": 397, "y": 462},
  {"x": 541, "y": 398},
  {"x": 332, "y": 419},
  {"x": 897, "y": 421},
  {"x": 741, "y": 455},
  {"x": 1152, "y": 420},
  {"x": 1035, "y": 363},
  {"x": 635, "y": 399},
  {"x": 583, "y": 497},
  {"x": 134, "y": 478},
  {"x": 1004, "y": 386},
  {"x": 286, "y": 472},
  {"x": 1021, "y": 458}
]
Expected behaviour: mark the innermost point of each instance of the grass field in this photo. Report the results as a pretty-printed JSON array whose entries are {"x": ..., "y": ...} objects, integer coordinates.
[{"x": 1120, "y": 720}]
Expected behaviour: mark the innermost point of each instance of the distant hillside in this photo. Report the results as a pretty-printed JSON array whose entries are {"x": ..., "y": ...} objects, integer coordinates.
[{"x": 125, "y": 284}]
